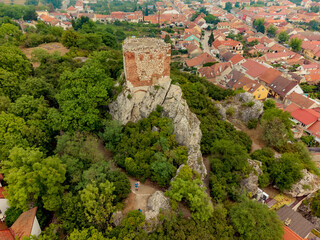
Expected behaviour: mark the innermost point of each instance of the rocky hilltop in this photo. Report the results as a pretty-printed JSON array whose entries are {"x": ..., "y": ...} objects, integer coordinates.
[
  {"x": 147, "y": 86},
  {"x": 132, "y": 107}
]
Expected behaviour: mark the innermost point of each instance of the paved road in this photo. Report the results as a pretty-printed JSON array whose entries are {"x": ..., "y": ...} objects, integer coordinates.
[{"x": 204, "y": 42}]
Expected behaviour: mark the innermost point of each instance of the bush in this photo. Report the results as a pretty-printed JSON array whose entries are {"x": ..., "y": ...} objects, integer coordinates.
[
  {"x": 148, "y": 149},
  {"x": 252, "y": 123},
  {"x": 230, "y": 111},
  {"x": 12, "y": 215}
]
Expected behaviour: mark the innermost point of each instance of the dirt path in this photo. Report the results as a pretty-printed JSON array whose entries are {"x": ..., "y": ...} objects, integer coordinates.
[
  {"x": 139, "y": 199},
  {"x": 136, "y": 199},
  {"x": 254, "y": 134}
]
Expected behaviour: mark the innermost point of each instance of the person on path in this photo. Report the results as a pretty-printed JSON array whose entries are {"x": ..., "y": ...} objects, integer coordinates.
[{"x": 136, "y": 185}]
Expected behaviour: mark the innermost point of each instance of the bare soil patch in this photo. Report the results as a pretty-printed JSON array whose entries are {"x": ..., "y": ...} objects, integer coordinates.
[{"x": 49, "y": 47}]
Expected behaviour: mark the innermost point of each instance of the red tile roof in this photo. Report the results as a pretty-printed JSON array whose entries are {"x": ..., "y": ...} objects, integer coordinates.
[
  {"x": 1, "y": 192},
  {"x": 290, "y": 235},
  {"x": 6, "y": 235},
  {"x": 301, "y": 100},
  {"x": 254, "y": 68},
  {"x": 270, "y": 75},
  {"x": 23, "y": 225},
  {"x": 236, "y": 58},
  {"x": 315, "y": 129},
  {"x": 291, "y": 107},
  {"x": 304, "y": 116},
  {"x": 200, "y": 60}
]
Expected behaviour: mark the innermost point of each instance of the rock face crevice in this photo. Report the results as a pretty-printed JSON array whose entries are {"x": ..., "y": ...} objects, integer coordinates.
[{"x": 132, "y": 106}]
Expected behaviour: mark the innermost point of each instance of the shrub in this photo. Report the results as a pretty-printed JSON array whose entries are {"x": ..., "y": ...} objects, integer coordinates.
[
  {"x": 230, "y": 111},
  {"x": 12, "y": 215},
  {"x": 252, "y": 123}
]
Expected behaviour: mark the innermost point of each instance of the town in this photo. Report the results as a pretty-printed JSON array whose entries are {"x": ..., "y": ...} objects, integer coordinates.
[{"x": 206, "y": 81}]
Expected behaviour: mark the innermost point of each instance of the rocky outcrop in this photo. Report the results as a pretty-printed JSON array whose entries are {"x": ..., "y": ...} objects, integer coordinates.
[
  {"x": 117, "y": 218},
  {"x": 243, "y": 107},
  {"x": 158, "y": 201},
  {"x": 310, "y": 183},
  {"x": 250, "y": 184},
  {"x": 305, "y": 210},
  {"x": 132, "y": 106}
]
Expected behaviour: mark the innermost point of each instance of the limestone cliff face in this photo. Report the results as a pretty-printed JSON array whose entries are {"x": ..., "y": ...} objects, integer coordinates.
[{"x": 133, "y": 105}]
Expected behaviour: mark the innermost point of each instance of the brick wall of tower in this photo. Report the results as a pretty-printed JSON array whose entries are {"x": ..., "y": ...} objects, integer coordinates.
[{"x": 145, "y": 66}]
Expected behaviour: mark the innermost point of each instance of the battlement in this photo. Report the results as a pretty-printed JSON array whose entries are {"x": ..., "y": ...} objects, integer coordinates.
[{"x": 146, "y": 60}]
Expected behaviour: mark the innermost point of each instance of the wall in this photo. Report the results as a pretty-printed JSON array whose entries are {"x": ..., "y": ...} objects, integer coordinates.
[{"x": 146, "y": 60}]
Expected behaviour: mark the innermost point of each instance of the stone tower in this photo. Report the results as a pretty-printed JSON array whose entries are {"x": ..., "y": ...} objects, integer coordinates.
[{"x": 146, "y": 61}]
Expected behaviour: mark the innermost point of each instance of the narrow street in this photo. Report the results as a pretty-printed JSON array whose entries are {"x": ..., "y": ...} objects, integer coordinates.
[{"x": 204, "y": 42}]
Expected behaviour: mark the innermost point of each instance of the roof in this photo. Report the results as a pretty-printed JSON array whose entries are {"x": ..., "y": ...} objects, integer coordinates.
[
  {"x": 290, "y": 235},
  {"x": 304, "y": 116},
  {"x": 291, "y": 107},
  {"x": 23, "y": 225},
  {"x": 201, "y": 59},
  {"x": 282, "y": 85},
  {"x": 254, "y": 68},
  {"x": 71, "y": 8},
  {"x": 301, "y": 100},
  {"x": 236, "y": 58},
  {"x": 6, "y": 235},
  {"x": 270, "y": 75},
  {"x": 298, "y": 224},
  {"x": 315, "y": 129},
  {"x": 1, "y": 192}
]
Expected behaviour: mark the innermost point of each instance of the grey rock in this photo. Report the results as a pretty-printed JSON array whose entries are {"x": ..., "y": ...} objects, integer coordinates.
[
  {"x": 158, "y": 201},
  {"x": 132, "y": 106},
  {"x": 222, "y": 111},
  {"x": 310, "y": 183},
  {"x": 241, "y": 103},
  {"x": 250, "y": 184},
  {"x": 117, "y": 218}
]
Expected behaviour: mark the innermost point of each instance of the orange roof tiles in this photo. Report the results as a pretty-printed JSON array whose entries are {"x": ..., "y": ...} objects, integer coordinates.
[
  {"x": 291, "y": 107},
  {"x": 23, "y": 225},
  {"x": 301, "y": 100},
  {"x": 290, "y": 235},
  {"x": 6, "y": 235},
  {"x": 236, "y": 58},
  {"x": 201, "y": 59},
  {"x": 304, "y": 116},
  {"x": 270, "y": 75},
  {"x": 254, "y": 68}
]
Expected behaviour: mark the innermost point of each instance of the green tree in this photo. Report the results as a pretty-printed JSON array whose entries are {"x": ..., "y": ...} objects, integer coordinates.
[
  {"x": 271, "y": 31},
  {"x": 295, "y": 44},
  {"x": 132, "y": 227},
  {"x": 283, "y": 36},
  {"x": 14, "y": 69},
  {"x": 259, "y": 25},
  {"x": 286, "y": 171},
  {"x": 96, "y": 200},
  {"x": 70, "y": 38},
  {"x": 31, "y": 178},
  {"x": 87, "y": 234},
  {"x": 276, "y": 126},
  {"x": 253, "y": 220},
  {"x": 228, "y": 6},
  {"x": 82, "y": 95},
  {"x": 10, "y": 33},
  {"x": 89, "y": 41},
  {"x": 12, "y": 133},
  {"x": 194, "y": 194},
  {"x": 211, "y": 19},
  {"x": 314, "y": 9},
  {"x": 167, "y": 38},
  {"x": 211, "y": 39}
]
